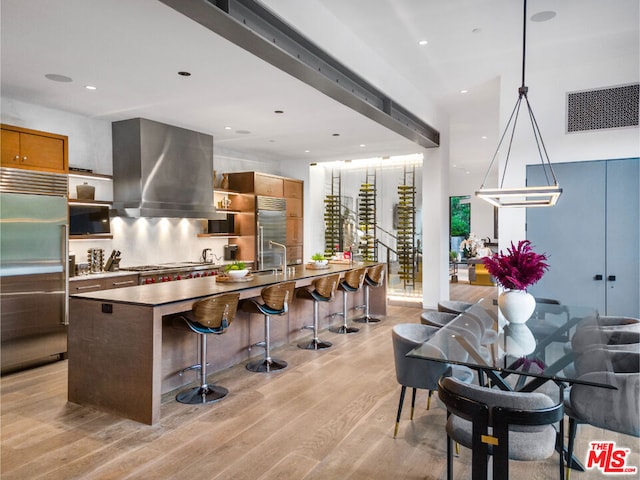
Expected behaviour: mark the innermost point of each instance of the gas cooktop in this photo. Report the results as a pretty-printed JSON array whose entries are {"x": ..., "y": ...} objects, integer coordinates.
[{"x": 171, "y": 266}]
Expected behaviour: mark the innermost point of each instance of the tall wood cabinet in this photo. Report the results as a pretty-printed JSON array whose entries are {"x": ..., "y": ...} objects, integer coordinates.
[
  {"x": 263, "y": 184},
  {"x": 591, "y": 236},
  {"x": 33, "y": 149}
]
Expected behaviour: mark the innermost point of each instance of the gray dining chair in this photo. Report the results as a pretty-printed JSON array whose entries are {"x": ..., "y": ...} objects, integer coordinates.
[
  {"x": 506, "y": 425},
  {"x": 417, "y": 373},
  {"x": 453, "y": 306},
  {"x": 617, "y": 410},
  {"x": 435, "y": 318}
]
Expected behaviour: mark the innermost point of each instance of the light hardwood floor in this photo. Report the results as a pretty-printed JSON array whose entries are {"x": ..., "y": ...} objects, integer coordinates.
[{"x": 330, "y": 415}]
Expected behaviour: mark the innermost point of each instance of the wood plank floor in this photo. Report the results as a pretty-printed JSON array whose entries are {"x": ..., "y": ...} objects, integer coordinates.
[{"x": 330, "y": 415}]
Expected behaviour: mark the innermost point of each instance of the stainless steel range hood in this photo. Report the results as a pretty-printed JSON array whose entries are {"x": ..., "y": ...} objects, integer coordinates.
[{"x": 161, "y": 171}]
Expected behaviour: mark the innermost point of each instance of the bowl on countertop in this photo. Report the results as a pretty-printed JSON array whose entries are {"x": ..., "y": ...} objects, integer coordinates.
[{"x": 237, "y": 273}]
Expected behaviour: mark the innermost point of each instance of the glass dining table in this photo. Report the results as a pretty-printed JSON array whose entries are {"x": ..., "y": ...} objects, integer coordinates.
[{"x": 521, "y": 357}]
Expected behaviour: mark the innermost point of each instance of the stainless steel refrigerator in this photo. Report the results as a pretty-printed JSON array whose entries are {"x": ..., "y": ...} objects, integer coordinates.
[
  {"x": 271, "y": 226},
  {"x": 33, "y": 268}
]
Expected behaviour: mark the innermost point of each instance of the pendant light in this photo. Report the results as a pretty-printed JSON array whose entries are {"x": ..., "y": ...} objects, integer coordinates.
[{"x": 528, "y": 196}]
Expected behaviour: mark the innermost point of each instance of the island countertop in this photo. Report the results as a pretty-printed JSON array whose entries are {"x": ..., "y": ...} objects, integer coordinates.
[
  {"x": 188, "y": 290},
  {"x": 125, "y": 351}
]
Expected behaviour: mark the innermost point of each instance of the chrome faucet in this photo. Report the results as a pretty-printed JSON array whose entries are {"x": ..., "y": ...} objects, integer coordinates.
[{"x": 284, "y": 257}]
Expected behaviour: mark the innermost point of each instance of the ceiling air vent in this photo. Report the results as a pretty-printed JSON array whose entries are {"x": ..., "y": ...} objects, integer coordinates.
[{"x": 613, "y": 107}]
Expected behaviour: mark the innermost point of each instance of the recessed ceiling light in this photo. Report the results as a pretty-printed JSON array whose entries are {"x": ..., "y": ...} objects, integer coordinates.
[
  {"x": 58, "y": 78},
  {"x": 476, "y": 30},
  {"x": 464, "y": 91},
  {"x": 362, "y": 145},
  {"x": 90, "y": 87},
  {"x": 307, "y": 151},
  {"x": 543, "y": 16},
  {"x": 484, "y": 137},
  {"x": 335, "y": 134},
  {"x": 184, "y": 74},
  {"x": 227, "y": 128},
  {"x": 278, "y": 111},
  {"x": 422, "y": 42},
  {"x": 243, "y": 132}
]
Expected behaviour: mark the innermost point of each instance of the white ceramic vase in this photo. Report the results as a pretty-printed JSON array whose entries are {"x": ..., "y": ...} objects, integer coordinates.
[{"x": 516, "y": 305}]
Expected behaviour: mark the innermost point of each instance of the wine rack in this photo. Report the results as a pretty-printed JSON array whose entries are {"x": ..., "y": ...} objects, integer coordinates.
[
  {"x": 367, "y": 217},
  {"x": 407, "y": 228},
  {"x": 332, "y": 217}
]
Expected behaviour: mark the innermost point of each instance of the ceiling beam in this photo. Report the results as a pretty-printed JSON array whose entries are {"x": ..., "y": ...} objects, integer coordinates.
[{"x": 257, "y": 30}]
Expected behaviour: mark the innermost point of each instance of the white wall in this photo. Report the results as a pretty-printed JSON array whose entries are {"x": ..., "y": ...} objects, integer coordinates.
[{"x": 548, "y": 88}]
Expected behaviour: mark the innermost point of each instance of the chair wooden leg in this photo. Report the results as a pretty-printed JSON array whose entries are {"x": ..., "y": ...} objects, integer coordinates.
[
  {"x": 429, "y": 399},
  {"x": 402, "y": 392}
]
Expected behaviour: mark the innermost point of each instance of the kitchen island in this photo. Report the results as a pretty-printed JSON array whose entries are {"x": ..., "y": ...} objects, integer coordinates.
[{"x": 126, "y": 348}]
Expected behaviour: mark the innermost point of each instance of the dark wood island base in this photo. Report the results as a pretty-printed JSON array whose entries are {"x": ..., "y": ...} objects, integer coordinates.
[{"x": 125, "y": 351}]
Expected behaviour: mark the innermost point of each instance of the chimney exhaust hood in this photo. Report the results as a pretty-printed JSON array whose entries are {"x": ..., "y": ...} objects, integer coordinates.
[{"x": 161, "y": 171}]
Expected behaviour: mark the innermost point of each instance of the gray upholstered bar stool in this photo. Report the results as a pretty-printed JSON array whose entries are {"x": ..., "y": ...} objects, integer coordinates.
[
  {"x": 323, "y": 290},
  {"x": 351, "y": 283},
  {"x": 373, "y": 278},
  {"x": 212, "y": 315},
  {"x": 275, "y": 301}
]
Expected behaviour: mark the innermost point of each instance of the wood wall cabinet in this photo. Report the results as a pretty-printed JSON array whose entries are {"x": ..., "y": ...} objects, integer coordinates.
[
  {"x": 257, "y": 183},
  {"x": 293, "y": 192},
  {"x": 264, "y": 184},
  {"x": 33, "y": 150}
]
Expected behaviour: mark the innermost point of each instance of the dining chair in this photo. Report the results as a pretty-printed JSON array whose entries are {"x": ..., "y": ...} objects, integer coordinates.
[
  {"x": 616, "y": 410},
  {"x": 416, "y": 373},
  {"x": 506, "y": 425},
  {"x": 435, "y": 318}
]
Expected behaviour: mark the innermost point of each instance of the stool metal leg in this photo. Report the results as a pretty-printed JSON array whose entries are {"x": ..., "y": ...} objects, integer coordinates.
[
  {"x": 344, "y": 328},
  {"x": 367, "y": 318},
  {"x": 315, "y": 343},
  {"x": 205, "y": 393},
  {"x": 267, "y": 364}
]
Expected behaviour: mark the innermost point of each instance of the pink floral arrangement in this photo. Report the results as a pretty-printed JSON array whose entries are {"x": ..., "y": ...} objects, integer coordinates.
[{"x": 520, "y": 268}]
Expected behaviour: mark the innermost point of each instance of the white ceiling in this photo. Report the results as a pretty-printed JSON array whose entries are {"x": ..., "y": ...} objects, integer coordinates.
[{"x": 132, "y": 50}]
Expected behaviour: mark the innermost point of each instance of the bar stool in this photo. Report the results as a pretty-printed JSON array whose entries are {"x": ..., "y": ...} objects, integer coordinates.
[
  {"x": 323, "y": 290},
  {"x": 212, "y": 315},
  {"x": 275, "y": 301},
  {"x": 373, "y": 278},
  {"x": 351, "y": 283}
]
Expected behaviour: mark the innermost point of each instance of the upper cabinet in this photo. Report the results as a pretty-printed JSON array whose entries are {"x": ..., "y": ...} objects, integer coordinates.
[
  {"x": 34, "y": 150},
  {"x": 258, "y": 183}
]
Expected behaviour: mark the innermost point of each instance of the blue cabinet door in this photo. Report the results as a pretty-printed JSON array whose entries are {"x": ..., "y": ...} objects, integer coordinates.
[{"x": 591, "y": 236}]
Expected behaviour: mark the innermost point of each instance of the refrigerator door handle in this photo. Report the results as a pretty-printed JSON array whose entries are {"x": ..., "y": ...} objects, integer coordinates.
[
  {"x": 260, "y": 246},
  {"x": 65, "y": 271}
]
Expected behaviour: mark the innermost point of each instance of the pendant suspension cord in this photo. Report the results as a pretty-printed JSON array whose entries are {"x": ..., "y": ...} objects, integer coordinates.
[{"x": 524, "y": 41}]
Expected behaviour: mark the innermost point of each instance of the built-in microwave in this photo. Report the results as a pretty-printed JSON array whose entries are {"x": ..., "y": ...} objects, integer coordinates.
[
  {"x": 89, "y": 219},
  {"x": 226, "y": 225}
]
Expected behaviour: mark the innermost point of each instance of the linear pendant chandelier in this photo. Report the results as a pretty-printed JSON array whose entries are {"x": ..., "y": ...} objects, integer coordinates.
[{"x": 528, "y": 196}]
